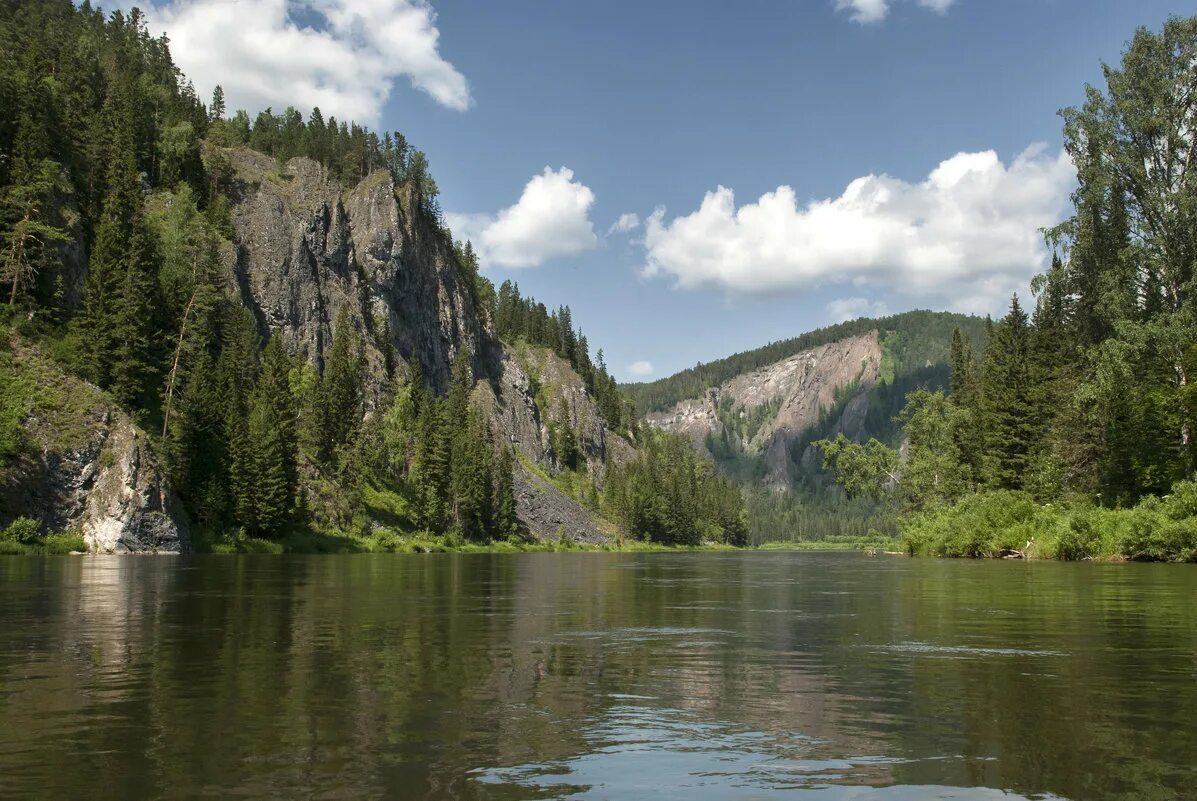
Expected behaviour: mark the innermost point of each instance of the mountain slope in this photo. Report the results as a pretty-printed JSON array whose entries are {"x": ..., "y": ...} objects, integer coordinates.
[{"x": 768, "y": 405}]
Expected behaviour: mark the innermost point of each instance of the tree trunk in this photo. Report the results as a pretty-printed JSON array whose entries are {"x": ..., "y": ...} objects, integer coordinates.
[{"x": 174, "y": 367}]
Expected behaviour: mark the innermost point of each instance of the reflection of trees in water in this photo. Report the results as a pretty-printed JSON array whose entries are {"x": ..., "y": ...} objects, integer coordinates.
[{"x": 400, "y": 676}]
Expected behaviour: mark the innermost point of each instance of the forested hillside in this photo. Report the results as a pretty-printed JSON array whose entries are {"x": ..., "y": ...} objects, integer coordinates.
[
  {"x": 1070, "y": 433},
  {"x": 760, "y": 421},
  {"x": 231, "y": 282}
]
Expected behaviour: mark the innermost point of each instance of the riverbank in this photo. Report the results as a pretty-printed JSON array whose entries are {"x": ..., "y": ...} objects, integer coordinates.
[
  {"x": 1011, "y": 524},
  {"x": 23, "y": 538}
]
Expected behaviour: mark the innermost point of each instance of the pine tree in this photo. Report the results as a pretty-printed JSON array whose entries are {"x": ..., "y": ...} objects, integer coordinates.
[
  {"x": 1007, "y": 409},
  {"x": 272, "y": 441},
  {"x": 429, "y": 470},
  {"x": 120, "y": 296},
  {"x": 506, "y": 524},
  {"x": 339, "y": 402},
  {"x": 29, "y": 235},
  {"x": 216, "y": 110}
]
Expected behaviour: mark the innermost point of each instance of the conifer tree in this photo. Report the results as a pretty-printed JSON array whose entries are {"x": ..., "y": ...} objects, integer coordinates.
[
  {"x": 506, "y": 524},
  {"x": 1007, "y": 411}
]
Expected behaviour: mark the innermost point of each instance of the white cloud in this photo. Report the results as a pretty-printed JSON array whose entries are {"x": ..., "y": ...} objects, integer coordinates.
[
  {"x": 346, "y": 63},
  {"x": 641, "y": 369},
  {"x": 968, "y": 235},
  {"x": 870, "y": 11},
  {"x": 550, "y": 220},
  {"x": 864, "y": 11},
  {"x": 625, "y": 223},
  {"x": 844, "y": 309}
]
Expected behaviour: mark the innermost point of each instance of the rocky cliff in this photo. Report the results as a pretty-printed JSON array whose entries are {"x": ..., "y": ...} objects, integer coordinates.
[
  {"x": 307, "y": 251},
  {"x": 767, "y": 409},
  {"x": 85, "y": 466},
  {"x": 532, "y": 387}
]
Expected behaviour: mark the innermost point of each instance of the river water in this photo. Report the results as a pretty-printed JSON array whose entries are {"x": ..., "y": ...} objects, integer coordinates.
[{"x": 693, "y": 676}]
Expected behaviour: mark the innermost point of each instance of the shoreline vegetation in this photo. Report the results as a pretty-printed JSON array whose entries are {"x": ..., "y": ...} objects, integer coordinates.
[{"x": 22, "y": 538}]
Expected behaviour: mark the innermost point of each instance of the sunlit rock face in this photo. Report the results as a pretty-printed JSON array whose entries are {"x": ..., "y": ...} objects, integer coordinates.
[
  {"x": 89, "y": 469},
  {"x": 307, "y": 251},
  {"x": 784, "y": 399}
]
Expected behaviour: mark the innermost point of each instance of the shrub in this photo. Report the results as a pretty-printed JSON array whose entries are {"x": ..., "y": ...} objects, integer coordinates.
[{"x": 22, "y": 531}]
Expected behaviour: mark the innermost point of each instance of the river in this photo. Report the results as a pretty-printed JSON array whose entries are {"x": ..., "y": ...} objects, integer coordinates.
[{"x": 707, "y": 675}]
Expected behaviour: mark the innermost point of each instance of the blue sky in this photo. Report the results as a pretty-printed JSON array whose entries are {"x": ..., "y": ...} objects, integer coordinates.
[{"x": 634, "y": 107}]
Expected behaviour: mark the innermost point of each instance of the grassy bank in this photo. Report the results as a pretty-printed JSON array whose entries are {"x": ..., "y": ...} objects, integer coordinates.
[
  {"x": 390, "y": 541},
  {"x": 994, "y": 524},
  {"x": 22, "y": 538}
]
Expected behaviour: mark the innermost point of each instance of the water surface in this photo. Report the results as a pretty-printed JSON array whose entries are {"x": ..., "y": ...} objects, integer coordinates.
[{"x": 690, "y": 676}]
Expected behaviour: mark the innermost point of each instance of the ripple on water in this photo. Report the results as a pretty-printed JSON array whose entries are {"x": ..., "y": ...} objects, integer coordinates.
[
  {"x": 641, "y": 750},
  {"x": 958, "y": 650}
]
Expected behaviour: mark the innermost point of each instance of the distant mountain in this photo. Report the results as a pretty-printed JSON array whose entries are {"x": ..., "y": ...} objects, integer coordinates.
[{"x": 757, "y": 413}]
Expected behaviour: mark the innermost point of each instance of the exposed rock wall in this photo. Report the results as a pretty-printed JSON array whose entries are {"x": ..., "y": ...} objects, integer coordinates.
[
  {"x": 802, "y": 387},
  {"x": 531, "y": 385},
  {"x": 306, "y": 251}
]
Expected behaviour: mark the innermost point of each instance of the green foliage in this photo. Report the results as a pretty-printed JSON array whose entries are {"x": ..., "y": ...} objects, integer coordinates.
[
  {"x": 16, "y": 400},
  {"x": 1003, "y": 522},
  {"x": 23, "y": 536},
  {"x": 670, "y": 495},
  {"x": 862, "y": 470},
  {"x": 519, "y": 318},
  {"x": 23, "y": 530}
]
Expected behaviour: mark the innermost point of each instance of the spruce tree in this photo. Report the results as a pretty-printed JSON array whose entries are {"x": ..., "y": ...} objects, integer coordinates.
[
  {"x": 506, "y": 524},
  {"x": 1007, "y": 409}
]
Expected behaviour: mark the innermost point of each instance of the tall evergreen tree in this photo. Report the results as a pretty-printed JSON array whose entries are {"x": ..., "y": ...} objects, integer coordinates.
[{"x": 1007, "y": 409}]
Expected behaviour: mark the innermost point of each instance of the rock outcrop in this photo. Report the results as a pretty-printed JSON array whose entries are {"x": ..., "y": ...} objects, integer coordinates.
[
  {"x": 87, "y": 467},
  {"x": 306, "y": 251},
  {"x": 782, "y": 400}
]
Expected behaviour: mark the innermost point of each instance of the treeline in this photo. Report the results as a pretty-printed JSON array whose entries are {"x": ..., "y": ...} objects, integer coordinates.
[
  {"x": 1087, "y": 400},
  {"x": 518, "y": 317},
  {"x": 671, "y": 495},
  {"x": 915, "y": 337},
  {"x": 347, "y": 150},
  {"x": 811, "y": 516}
]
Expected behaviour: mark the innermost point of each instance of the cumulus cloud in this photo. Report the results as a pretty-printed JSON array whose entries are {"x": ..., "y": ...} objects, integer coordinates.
[
  {"x": 967, "y": 235},
  {"x": 641, "y": 369},
  {"x": 844, "y": 309},
  {"x": 870, "y": 11},
  {"x": 625, "y": 223},
  {"x": 341, "y": 55},
  {"x": 551, "y": 219}
]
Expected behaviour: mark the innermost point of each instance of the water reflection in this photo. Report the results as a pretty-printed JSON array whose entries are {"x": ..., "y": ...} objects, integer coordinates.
[{"x": 733, "y": 675}]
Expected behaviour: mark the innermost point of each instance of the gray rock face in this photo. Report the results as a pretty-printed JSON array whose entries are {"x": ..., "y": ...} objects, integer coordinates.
[
  {"x": 518, "y": 419},
  {"x": 306, "y": 251},
  {"x": 546, "y": 511}
]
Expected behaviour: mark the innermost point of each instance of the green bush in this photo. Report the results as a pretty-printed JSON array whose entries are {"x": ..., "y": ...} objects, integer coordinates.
[
  {"x": 23, "y": 531},
  {"x": 986, "y": 524},
  {"x": 23, "y": 537}
]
